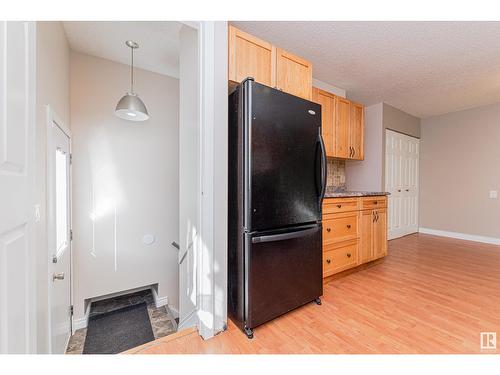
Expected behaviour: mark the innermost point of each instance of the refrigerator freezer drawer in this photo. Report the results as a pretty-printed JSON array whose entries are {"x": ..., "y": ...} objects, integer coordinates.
[{"x": 284, "y": 272}]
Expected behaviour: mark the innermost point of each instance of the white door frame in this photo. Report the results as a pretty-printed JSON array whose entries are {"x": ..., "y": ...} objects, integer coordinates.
[
  {"x": 211, "y": 246},
  {"x": 53, "y": 118}
]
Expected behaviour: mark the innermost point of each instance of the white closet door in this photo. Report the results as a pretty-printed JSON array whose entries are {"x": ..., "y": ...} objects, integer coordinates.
[
  {"x": 401, "y": 180},
  {"x": 17, "y": 247}
]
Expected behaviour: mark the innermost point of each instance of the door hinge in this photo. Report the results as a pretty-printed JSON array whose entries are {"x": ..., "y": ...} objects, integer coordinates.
[
  {"x": 71, "y": 158},
  {"x": 71, "y": 234},
  {"x": 71, "y": 309}
]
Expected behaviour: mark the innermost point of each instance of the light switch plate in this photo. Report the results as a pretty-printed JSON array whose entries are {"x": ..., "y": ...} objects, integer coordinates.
[{"x": 493, "y": 194}]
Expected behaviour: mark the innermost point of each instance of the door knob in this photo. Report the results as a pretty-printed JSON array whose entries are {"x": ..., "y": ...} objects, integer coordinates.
[
  {"x": 328, "y": 230},
  {"x": 58, "y": 276}
]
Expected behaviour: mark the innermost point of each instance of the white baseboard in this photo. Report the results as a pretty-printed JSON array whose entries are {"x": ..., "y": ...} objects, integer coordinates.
[
  {"x": 461, "y": 236},
  {"x": 159, "y": 301},
  {"x": 82, "y": 322}
]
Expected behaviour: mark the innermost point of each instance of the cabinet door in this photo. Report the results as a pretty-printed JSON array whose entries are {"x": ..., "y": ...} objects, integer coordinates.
[
  {"x": 356, "y": 132},
  {"x": 366, "y": 239},
  {"x": 380, "y": 233},
  {"x": 342, "y": 124},
  {"x": 327, "y": 102},
  {"x": 293, "y": 74},
  {"x": 250, "y": 57}
]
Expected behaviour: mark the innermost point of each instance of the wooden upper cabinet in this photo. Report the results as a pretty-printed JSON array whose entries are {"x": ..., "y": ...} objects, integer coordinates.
[
  {"x": 342, "y": 127},
  {"x": 327, "y": 102},
  {"x": 250, "y": 57},
  {"x": 293, "y": 74},
  {"x": 356, "y": 149},
  {"x": 342, "y": 123}
]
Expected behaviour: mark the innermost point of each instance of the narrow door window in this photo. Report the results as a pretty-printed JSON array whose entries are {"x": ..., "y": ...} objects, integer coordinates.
[{"x": 61, "y": 201}]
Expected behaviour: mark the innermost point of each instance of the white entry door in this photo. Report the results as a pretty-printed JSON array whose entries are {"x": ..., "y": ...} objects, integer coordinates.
[
  {"x": 17, "y": 214},
  {"x": 59, "y": 232},
  {"x": 401, "y": 180}
]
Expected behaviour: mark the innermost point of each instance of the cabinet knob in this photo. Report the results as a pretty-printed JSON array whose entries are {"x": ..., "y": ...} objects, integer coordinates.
[
  {"x": 328, "y": 230},
  {"x": 348, "y": 226},
  {"x": 348, "y": 255},
  {"x": 407, "y": 189},
  {"x": 339, "y": 205},
  {"x": 375, "y": 202},
  {"x": 328, "y": 261}
]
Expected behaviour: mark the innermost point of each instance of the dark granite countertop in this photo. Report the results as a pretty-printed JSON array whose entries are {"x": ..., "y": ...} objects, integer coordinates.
[{"x": 336, "y": 193}]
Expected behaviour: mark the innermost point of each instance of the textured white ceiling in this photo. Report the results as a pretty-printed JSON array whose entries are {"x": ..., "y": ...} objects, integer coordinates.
[
  {"x": 423, "y": 68},
  {"x": 158, "y": 42}
]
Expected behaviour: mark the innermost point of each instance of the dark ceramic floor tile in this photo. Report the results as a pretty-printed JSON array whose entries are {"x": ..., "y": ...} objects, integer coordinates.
[{"x": 161, "y": 321}]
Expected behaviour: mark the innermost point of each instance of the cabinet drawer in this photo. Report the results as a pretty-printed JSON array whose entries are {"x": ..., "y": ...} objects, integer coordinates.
[
  {"x": 370, "y": 203},
  {"x": 340, "y": 259},
  {"x": 335, "y": 205},
  {"x": 340, "y": 227}
]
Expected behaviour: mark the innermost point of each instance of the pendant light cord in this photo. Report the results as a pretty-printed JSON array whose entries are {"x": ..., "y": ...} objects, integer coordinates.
[{"x": 132, "y": 72}]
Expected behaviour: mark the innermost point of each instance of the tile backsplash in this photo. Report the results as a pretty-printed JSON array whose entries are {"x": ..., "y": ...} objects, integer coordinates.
[{"x": 336, "y": 174}]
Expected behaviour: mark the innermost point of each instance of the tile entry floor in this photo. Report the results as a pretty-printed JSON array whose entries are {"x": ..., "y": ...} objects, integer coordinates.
[{"x": 161, "y": 321}]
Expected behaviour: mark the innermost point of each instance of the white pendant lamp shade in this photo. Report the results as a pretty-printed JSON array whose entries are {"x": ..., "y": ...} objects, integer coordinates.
[{"x": 131, "y": 107}]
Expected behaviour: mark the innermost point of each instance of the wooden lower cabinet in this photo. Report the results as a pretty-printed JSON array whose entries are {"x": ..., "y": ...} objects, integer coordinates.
[
  {"x": 354, "y": 232},
  {"x": 380, "y": 233},
  {"x": 366, "y": 243},
  {"x": 340, "y": 257}
]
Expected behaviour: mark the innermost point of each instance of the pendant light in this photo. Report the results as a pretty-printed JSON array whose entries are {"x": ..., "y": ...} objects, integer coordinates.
[{"x": 130, "y": 107}]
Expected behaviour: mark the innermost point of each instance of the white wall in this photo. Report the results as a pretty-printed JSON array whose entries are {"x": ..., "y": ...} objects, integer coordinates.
[
  {"x": 366, "y": 175},
  {"x": 52, "y": 72},
  {"x": 125, "y": 182}
]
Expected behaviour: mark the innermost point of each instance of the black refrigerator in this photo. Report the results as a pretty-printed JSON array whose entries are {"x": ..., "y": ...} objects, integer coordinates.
[{"x": 277, "y": 181}]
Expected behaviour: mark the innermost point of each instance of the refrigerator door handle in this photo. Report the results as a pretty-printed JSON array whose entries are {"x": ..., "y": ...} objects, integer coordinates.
[
  {"x": 285, "y": 236},
  {"x": 323, "y": 167}
]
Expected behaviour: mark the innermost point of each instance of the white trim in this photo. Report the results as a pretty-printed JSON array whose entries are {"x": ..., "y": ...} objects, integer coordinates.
[
  {"x": 53, "y": 118},
  {"x": 209, "y": 249},
  {"x": 31, "y": 157},
  {"x": 461, "y": 236},
  {"x": 82, "y": 322},
  {"x": 206, "y": 249},
  {"x": 212, "y": 244},
  {"x": 159, "y": 301}
]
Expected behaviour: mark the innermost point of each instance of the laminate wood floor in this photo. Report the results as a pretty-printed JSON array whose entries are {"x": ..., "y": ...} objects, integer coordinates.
[{"x": 429, "y": 295}]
